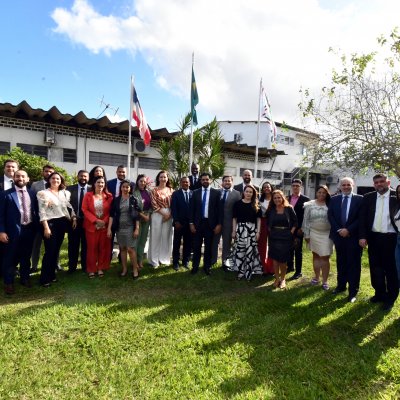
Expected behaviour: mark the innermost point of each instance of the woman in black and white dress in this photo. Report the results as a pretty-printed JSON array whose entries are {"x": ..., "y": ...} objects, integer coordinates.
[{"x": 244, "y": 257}]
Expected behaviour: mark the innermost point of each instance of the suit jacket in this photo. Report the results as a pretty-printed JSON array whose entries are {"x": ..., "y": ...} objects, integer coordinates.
[
  {"x": 38, "y": 186},
  {"x": 299, "y": 208},
  {"x": 90, "y": 212},
  {"x": 112, "y": 186},
  {"x": 179, "y": 207},
  {"x": 115, "y": 211},
  {"x": 239, "y": 187},
  {"x": 214, "y": 215},
  {"x": 10, "y": 216},
  {"x": 367, "y": 213},
  {"x": 227, "y": 208},
  {"x": 74, "y": 200},
  {"x": 1, "y": 183},
  {"x": 193, "y": 186},
  {"x": 335, "y": 216}
]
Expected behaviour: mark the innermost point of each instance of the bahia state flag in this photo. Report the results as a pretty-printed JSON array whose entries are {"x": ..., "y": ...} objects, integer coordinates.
[{"x": 138, "y": 116}]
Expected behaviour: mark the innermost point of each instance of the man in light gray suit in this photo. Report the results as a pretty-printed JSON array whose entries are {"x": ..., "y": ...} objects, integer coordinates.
[
  {"x": 229, "y": 197},
  {"x": 37, "y": 186}
]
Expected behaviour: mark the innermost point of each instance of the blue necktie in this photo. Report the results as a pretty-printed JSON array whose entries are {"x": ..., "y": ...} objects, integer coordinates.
[
  {"x": 224, "y": 198},
  {"x": 203, "y": 204},
  {"x": 343, "y": 214}
]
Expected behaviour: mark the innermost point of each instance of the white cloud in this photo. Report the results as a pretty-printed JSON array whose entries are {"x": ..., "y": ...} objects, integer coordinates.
[{"x": 235, "y": 43}]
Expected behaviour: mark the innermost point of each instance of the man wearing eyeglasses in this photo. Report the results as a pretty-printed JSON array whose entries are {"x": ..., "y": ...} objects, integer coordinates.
[{"x": 297, "y": 200}]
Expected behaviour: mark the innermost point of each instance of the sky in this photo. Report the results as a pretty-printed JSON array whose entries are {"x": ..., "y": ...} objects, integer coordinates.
[{"x": 73, "y": 53}]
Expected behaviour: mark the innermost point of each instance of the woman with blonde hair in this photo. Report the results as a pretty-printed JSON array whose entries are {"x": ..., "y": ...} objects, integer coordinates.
[
  {"x": 245, "y": 232},
  {"x": 282, "y": 222}
]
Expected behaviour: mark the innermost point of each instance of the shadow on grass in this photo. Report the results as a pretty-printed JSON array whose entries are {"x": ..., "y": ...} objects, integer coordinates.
[{"x": 302, "y": 343}]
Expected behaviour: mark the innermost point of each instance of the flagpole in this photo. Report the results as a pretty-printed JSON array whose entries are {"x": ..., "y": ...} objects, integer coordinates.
[
  {"x": 258, "y": 133},
  {"x": 130, "y": 131},
  {"x": 191, "y": 126}
]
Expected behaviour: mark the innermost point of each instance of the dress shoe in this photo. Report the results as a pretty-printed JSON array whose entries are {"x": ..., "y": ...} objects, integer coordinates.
[
  {"x": 338, "y": 290},
  {"x": 26, "y": 282},
  {"x": 352, "y": 299},
  {"x": 376, "y": 299},
  {"x": 296, "y": 276},
  {"x": 387, "y": 306},
  {"x": 207, "y": 271},
  {"x": 176, "y": 267},
  {"x": 60, "y": 268},
  {"x": 9, "y": 289},
  {"x": 194, "y": 271},
  {"x": 185, "y": 265},
  {"x": 33, "y": 270}
]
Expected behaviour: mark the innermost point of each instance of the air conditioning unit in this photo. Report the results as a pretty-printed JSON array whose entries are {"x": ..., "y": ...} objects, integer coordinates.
[
  {"x": 138, "y": 147},
  {"x": 50, "y": 136},
  {"x": 330, "y": 179}
]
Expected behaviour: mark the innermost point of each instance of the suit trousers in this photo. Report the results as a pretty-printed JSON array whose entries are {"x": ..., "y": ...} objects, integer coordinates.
[
  {"x": 18, "y": 251},
  {"x": 98, "y": 247},
  {"x": 296, "y": 255},
  {"x": 206, "y": 234},
  {"x": 76, "y": 240},
  {"x": 180, "y": 235},
  {"x": 382, "y": 265},
  {"x": 226, "y": 236},
  {"x": 348, "y": 261},
  {"x": 37, "y": 244},
  {"x": 52, "y": 246}
]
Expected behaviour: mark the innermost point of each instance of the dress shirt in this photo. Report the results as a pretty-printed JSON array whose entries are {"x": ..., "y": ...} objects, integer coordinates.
[
  {"x": 28, "y": 205},
  {"x": 186, "y": 195},
  {"x": 382, "y": 223},
  {"x": 293, "y": 200},
  {"x": 117, "y": 186},
  {"x": 8, "y": 183},
  {"x": 207, "y": 200},
  {"x": 229, "y": 191}
]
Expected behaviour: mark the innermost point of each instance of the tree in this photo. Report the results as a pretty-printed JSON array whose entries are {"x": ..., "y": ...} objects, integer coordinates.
[
  {"x": 32, "y": 164},
  {"x": 358, "y": 115},
  {"x": 207, "y": 150}
]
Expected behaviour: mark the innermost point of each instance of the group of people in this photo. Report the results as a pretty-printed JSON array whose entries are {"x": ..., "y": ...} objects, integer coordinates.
[{"x": 261, "y": 229}]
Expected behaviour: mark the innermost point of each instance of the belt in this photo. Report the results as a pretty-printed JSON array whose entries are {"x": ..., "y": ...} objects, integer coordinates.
[{"x": 280, "y": 227}]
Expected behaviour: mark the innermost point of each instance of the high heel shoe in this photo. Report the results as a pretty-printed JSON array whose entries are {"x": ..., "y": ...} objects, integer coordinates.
[
  {"x": 123, "y": 274},
  {"x": 135, "y": 276},
  {"x": 282, "y": 285},
  {"x": 276, "y": 283}
]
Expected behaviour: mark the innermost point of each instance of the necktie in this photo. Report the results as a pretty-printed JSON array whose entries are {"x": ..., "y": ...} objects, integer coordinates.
[
  {"x": 194, "y": 181},
  {"x": 186, "y": 197},
  {"x": 80, "y": 202},
  {"x": 224, "y": 197},
  {"x": 203, "y": 204},
  {"x": 343, "y": 215},
  {"x": 25, "y": 216},
  {"x": 12, "y": 183}
]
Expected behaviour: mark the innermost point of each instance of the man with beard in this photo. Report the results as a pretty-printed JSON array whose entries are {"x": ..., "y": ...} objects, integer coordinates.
[
  {"x": 378, "y": 231},
  {"x": 113, "y": 185},
  {"x": 76, "y": 237},
  {"x": 247, "y": 180},
  {"x": 18, "y": 225},
  {"x": 204, "y": 221}
]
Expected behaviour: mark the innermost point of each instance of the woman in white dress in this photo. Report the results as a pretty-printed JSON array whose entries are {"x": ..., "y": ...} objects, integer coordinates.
[
  {"x": 316, "y": 228},
  {"x": 160, "y": 245}
]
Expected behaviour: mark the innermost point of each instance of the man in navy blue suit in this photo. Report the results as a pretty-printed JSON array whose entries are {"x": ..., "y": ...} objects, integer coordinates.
[
  {"x": 113, "y": 186},
  {"x": 343, "y": 214},
  {"x": 205, "y": 221},
  {"x": 180, "y": 201},
  {"x": 18, "y": 225}
]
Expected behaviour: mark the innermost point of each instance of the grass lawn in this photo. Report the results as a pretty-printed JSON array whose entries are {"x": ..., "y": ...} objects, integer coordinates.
[{"x": 171, "y": 335}]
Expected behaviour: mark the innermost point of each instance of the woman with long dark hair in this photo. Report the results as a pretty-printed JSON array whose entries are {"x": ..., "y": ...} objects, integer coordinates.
[
  {"x": 95, "y": 172},
  {"x": 282, "y": 222},
  {"x": 160, "y": 246},
  {"x": 244, "y": 258},
  {"x": 265, "y": 198},
  {"x": 316, "y": 228},
  {"x": 143, "y": 197},
  {"x": 124, "y": 220},
  {"x": 96, "y": 207},
  {"x": 56, "y": 214}
]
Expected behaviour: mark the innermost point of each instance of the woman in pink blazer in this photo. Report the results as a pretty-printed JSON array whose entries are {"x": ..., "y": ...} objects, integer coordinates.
[{"x": 96, "y": 207}]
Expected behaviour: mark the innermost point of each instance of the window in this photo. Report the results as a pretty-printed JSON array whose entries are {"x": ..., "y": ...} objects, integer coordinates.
[
  {"x": 69, "y": 155},
  {"x": 153, "y": 163},
  {"x": 34, "y": 150},
  {"x": 98, "y": 158},
  {"x": 4, "y": 147}
]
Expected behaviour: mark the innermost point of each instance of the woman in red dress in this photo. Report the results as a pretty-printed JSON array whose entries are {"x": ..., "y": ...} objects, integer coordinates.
[
  {"x": 265, "y": 198},
  {"x": 96, "y": 207}
]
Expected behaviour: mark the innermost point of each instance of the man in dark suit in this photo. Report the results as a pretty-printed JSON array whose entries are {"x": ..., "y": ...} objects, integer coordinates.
[
  {"x": 36, "y": 187},
  {"x": 247, "y": 177},
  {"x": 378, "y": 231},
  {"x": 343, "y": 215},
  {"x": 228, "y": 198},
  {"x": 297, "y": 200},
  {"x": 18, "y": 224},
  {"x": 180, "y": 201},
  {"x": 204, "y": 221},
  {"x": 76, "y": 237},
  {"x": 113, "y": 186},
  {"x": 194, "y": 179}
]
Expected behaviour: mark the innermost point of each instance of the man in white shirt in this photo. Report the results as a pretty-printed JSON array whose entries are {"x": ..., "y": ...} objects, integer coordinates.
[
  {"x": 6, "y": 181},
  {"x": 378, "y": 231}
]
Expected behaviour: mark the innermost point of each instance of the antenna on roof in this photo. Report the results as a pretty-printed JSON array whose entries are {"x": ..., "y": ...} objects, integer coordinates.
[{"x": 106, "y": 106}]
